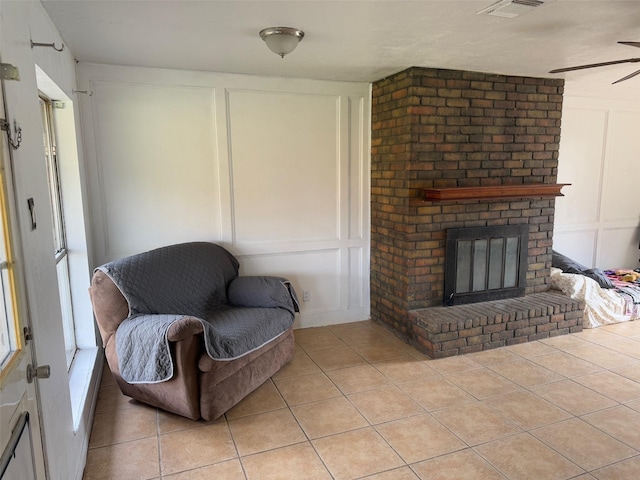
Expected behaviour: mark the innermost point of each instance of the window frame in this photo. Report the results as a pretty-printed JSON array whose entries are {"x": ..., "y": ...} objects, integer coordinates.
[{"x": 61, "y": 253}]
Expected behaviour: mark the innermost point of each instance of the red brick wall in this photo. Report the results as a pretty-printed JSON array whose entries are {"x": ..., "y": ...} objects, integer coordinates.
[{"x": 448, "y": 128}]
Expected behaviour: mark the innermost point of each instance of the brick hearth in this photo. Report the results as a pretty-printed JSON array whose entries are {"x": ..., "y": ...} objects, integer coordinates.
[
  {"x": 435, "y": 128},
  {"x": 447, "y": 331}
]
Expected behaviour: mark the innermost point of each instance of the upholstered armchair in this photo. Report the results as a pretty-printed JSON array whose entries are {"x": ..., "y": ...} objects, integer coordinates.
[{"x": 183, "y": 332}]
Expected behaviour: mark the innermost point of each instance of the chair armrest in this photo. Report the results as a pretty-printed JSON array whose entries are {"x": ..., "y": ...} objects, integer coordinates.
[
  {"x": 184, "y": 328},
  {"x": 109, "y": 305},
  {"x": 263, "y": 292},
  {"x": 143, "y": 345}
]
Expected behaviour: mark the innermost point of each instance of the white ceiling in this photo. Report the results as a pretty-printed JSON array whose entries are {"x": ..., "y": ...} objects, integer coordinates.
[{"x": 353, "y": 40}]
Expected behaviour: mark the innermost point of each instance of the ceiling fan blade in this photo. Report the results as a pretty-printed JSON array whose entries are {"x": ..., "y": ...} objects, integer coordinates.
[
  {"x": 593, "y": 65},
  {"x": 631, "y": 75},
  {"x": 632, "y": 44}
]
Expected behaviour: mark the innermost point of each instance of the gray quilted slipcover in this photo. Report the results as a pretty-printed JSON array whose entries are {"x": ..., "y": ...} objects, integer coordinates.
[{"x": 197, "y": 279}]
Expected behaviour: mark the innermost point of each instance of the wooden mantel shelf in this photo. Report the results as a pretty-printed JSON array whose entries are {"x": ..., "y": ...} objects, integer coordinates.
[{"x": 494, "y": 191}]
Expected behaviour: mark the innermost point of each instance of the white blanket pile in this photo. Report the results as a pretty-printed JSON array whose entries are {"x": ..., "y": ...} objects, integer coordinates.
[{"x": 602, "y": 306}]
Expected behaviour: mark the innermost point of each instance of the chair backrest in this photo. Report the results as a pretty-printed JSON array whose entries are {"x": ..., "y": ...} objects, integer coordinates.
[
  {"x": 187, "y": 278},
  {"x": 109, "y": 305}
]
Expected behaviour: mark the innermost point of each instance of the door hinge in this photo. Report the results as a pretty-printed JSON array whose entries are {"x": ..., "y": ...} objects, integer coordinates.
[
  {"x": 16, "y": 138},
  {"x": 9, "y": 72},
  {"x": 42, "y": 371},
  {"x": 28, "y": 335}
]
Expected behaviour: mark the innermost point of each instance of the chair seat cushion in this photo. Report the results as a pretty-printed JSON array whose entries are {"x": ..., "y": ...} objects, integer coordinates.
[{"x": 235, "y": 331}]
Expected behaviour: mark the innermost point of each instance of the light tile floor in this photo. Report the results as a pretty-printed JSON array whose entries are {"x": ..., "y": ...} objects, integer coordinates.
[{"x": 356, "y": 402}]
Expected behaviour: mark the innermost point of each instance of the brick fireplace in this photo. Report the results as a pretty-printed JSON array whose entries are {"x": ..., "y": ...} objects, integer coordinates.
[{"x": 438, "y": 130}]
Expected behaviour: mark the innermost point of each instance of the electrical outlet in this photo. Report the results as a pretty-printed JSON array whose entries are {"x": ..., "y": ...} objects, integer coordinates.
[{"x": 306, "y": 295}]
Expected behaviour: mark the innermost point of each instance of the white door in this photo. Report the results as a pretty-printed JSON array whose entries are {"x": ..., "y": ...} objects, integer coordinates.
[
  {"x": 21, "y": 449},
  {"x": 63, "y": 442}
]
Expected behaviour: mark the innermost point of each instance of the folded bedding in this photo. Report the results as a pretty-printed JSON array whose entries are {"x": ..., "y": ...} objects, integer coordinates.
[
  {"x": 608, "y": 298},
  {"x": 568, "y": 265}
]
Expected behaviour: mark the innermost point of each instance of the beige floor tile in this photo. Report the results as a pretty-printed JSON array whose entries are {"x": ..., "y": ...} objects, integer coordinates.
[
  {"x": 196, "y": 447},
  {"x": 169, "y": 422},
  {"x": 107, "y": 379},
  {"x": 583, "y": 444},
  {"x": 531, "y": 349},
  {"x": 482, "y": 383},
  {"x": 372, "y": 324},
  {"x": 405, "y": 369},
  {"x": 356, "y": 333},
  {"x": 358, "y": 378},
  {"x": 415, "y": 353},
  {"x": 338, "y": 357},
  {"x": 307, "y": 388},
  {"x": 565, "y": 342},
  {"x": 292, "y": 462},
  {"x": 526, "y": 373},
  {"x": 385, "y": 404},
  {"x": 265, "y": 431},
  {"x": 123, "y": 426},
  {"x": 263, "y": 399},
  {"x": 631, "y": 372},
  {"x": 565, "y": 364},
  {"x": 627, "y": 470},
  {"x": 573, "y": 397},
  {"x": 437, "y": 392},
  {"x": 229, "y": 470},
  {"x": 301, "y": 364},
  {"x": 602, "y": 356},
  {"x": 628, "y": 346},
  {"x": 635, "y": 405},
  {"x": 404, "y": 345},
  {"x": 136, "y": 460},
  {"x": 606, "y": 362},
  {"x": 614, "y": 386},
  {"x": 403, "y": 473},
  {"x": 419, "y": 438},
  {"x": 328, "y": 417},
  {"x": 462, "y": 465},
  {"x": 378, "y": 351},
  {"x": 522, "y": 457},
  {"x": 526, "y": 409},
  {"x": 318, "y": 338},
  {"x": 475, "y": 423},
  {"x": 597, "y": 335},
  {"x": 495, "y": 355},
  {"x": 626, "y": 329},
  {"x": 356, "y": 454},
  {"x": 617, "y": 422},
  {"x": 460, "y": 363},
  {"x": 111, "y": 399}
]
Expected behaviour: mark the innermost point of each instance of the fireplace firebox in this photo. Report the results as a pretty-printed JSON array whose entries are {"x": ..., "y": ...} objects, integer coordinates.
[{"x": 485, "y": 263}]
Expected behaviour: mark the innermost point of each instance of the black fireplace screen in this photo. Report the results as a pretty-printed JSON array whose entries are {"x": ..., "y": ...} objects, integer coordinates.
[{"x": 485, "y": 263}]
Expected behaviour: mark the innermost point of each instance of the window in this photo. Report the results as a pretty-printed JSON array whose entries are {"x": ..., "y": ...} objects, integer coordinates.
[
  {"x": 60, "y": 253},
  {"x": 9, "y": 326}
]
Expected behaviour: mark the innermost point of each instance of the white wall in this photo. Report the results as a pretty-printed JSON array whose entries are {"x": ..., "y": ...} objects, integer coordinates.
[
  {"x": 276, "y": 170},
  {"x": 598, "y": 221}
]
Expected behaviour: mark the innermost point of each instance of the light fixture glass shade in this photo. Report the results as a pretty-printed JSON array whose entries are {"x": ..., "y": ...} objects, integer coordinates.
[{"x": 281, "y": 40}]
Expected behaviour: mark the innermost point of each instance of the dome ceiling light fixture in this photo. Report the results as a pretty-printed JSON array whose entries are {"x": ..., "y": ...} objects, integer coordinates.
[{"x": 281, "y": 40}]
